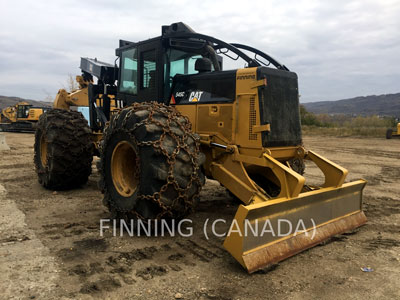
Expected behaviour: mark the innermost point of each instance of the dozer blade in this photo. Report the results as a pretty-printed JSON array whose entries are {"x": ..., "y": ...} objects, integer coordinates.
[{"x": 265, "y": 233}]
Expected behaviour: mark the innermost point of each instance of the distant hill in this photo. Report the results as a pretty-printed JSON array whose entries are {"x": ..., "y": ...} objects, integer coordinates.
[
  {"x": 10, "y": 101},
  {"x": 382, "y": 105}
]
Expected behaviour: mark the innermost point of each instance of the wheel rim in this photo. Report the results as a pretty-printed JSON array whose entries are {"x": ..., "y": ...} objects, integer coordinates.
[
  {"x": 43, "y": 150},
  {"x": 123, "y": 165}
]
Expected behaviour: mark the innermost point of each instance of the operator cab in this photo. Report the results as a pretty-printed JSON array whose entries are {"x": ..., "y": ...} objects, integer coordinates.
[
  {"x": 149, "y": 69},
  {"x": 147, "y": 76},
  {"x": 23, "y": 111},
  {"x": 180, "y": 67}
]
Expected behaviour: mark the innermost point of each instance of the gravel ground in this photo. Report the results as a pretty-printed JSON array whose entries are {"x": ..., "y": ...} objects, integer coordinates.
[{"x": 50, "y": 244}]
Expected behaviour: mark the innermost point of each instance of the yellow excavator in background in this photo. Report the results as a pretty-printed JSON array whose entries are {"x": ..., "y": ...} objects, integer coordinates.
[
  {"x": 169, "y": 115},
  {"x": 21, "y": 117},
  {"x": 391, "y": 133}
]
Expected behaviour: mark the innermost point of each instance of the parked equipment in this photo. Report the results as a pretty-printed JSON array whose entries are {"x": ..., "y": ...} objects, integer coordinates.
[
  {"x": 391, "y": 133},
  {"x": 21, "y": 117},
  {"x": 182, "y": 117}
]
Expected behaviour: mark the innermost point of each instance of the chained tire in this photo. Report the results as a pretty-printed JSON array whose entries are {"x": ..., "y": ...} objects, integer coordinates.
[
  {"x": 150, "y": 163},
  {"x": 63, "y": 149}
]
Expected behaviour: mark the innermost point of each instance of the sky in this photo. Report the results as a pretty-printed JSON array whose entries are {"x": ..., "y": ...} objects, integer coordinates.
[{"x": 339, "y": 49}]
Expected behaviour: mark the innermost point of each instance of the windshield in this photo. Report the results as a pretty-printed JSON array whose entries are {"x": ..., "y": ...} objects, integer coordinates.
[
  {"x": 178, "y": 62},
  {"x": 182, "y": 63}
]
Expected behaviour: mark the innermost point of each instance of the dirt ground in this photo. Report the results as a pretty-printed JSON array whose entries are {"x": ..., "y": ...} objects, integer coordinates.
[{"x": 50, "y": 243}]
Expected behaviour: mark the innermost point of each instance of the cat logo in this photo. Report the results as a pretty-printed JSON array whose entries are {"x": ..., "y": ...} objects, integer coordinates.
[{"x": 195, "y": 96}]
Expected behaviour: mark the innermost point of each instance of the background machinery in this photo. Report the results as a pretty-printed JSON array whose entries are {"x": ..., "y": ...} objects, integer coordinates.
[
  {"x": 391, "y": 133},
  {"x": 179, "y": 116},
  {"x": 21, "y": 117}
]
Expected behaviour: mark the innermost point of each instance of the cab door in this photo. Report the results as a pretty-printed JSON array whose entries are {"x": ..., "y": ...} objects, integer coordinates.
[{"x": 150, "y": 72}]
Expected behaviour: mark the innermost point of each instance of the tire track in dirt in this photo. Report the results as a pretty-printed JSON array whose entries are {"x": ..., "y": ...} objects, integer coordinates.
[
  {"x": 201, "y": 252},
  {"x": 381, "y": 243},
  {"x": 19, "y": 170},
  {"x": 119, "y": 268},
  {"x": 381, "y": 207},
  {"x": 16, "y": 178},
  {"x": 24, "y": 261},
  {"x": 15, "y": 166}
]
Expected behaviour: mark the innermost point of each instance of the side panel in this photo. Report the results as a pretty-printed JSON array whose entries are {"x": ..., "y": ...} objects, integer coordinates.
[
  {"x": 207, "y": 87},
  {"x": 214, "y": 119},
  {"x": 207, "y": 99},
  {"x": 233, "y": 122},
  {"x": 189, "y": 111},
  {"x": 34, "y": 114}
]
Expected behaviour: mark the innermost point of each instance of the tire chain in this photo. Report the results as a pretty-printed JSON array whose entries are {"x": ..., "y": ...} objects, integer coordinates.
[{"x": 172, "y": 115}]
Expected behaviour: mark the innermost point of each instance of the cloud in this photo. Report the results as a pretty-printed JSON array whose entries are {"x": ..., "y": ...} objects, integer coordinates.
[{"x": 339, "y": 49}]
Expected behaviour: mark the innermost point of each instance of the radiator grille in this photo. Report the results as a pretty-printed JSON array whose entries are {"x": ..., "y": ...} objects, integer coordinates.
[
  {"x": 252, "y": 119},
  {"x": 279, "y": 106}
]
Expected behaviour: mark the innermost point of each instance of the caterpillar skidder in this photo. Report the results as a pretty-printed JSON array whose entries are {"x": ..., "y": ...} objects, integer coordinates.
[{"x": 182, "y": 118}]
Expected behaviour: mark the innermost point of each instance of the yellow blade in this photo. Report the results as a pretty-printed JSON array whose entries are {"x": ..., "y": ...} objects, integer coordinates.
[{"x": 260, "y": 234}]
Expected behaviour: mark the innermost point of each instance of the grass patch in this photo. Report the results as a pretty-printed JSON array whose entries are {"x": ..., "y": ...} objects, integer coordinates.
[{"x": 344, "y": 125}]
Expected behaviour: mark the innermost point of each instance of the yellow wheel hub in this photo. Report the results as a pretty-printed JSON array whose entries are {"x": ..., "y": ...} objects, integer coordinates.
[
  {"x": 43, "y": 150},
  {"x": 123, "y": 166}
]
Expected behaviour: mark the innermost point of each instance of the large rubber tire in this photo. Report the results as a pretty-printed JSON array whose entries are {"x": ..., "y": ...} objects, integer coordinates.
[
  {"x": 150, "y": 163},
  {"x": 63, "y": 149},
  {"x": 389, "y": 133}
]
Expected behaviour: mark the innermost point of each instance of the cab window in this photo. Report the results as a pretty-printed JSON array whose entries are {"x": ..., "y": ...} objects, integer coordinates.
[
  {"x": 148, "y": 74},
  {"x": 23, "y": 111},
  {"x": 179, "y": 62},
  {"x": 129, "y": 80}
]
